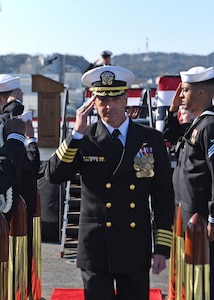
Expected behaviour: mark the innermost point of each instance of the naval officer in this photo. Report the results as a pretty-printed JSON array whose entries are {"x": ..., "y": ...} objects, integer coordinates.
[{"x": 121, "y": 165}]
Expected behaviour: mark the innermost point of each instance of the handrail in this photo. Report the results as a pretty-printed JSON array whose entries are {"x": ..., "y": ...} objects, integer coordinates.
[
  {"x": 65, "y": 217},
  {"x": 149, "y": 103},
  {"x": 63, "y": 126},
  {"x": 63, "y": 135}
]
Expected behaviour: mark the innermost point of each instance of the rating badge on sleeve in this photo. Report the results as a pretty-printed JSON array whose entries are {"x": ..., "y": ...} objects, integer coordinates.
[{"x": 144, "y": 162}]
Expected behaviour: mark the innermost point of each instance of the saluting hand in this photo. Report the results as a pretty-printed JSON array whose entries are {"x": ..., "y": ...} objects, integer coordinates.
[
  {"x": 14, "y": 125},
  {"x": 16, "y": 94},
  {"x": 176, "y": 101},
  {"x": 82, "y": 114},
  {"x": 29, "y": 130}
]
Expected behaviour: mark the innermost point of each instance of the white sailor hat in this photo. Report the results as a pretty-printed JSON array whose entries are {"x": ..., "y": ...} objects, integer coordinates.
[
  {"x": 197, "y": 74},
  {"x": 109, "y": 80},
  {"x": 106, "y": 53},
  {"x": 8, "y": 82}
]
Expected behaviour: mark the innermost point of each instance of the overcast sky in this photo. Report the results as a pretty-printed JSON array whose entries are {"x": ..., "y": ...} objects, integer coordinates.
[{"x": 84, "y": 28}]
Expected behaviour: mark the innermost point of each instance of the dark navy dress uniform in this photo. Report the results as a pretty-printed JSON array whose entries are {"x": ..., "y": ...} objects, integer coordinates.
[
  {"x": 173, "y": 130},
  {"x": 11, "y": 156},
  {"x": 195, "y": 191},
  {"x": 115, "y": 232},
  {"x": 197, "y": 161}
]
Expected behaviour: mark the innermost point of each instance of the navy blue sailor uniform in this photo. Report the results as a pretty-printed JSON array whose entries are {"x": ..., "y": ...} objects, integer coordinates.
[
  {"x": 11, "y": 159},
  {"x": 115, "y": 223},
  {"x": 173, "y": 130},
  {"x": 11, "y": 156},
  {"x": 196, "y": 155}
]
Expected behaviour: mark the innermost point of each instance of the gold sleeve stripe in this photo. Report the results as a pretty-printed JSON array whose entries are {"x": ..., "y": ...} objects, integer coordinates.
[
  {"x": 65, "y": 157},
  {"x": 64, "y": 148},
  {"x": 66, "y": 154},
  {"x": 163, "y": 237},
  {"x": 164, "y": 232},
  {"x": 163, "y": 242},
  {"x": 69, "y": 153}
]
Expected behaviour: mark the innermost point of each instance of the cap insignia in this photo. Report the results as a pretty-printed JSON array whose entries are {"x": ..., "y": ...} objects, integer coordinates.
[{"x": 107, "y": 78}]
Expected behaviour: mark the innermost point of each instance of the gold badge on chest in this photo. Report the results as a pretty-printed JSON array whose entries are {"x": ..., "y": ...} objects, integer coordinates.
[
  {"x": 193, "y": 136},
  {"x": 144, "y": 162}
]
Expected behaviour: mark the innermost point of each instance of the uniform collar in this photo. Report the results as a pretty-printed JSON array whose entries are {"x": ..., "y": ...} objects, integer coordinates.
[
  {"x": 209, "y": 111},
  {"x": 123, "y": 127}
]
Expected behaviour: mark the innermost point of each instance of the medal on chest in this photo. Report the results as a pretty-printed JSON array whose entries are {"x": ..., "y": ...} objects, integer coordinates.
[
  {"x": 193, "y": 136},
  {"x": 144, "y": 163}
]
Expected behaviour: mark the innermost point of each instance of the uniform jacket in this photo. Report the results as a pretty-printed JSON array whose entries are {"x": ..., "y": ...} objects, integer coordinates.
[
  {"x": 29, "y": 175},
  {"x": 115, "y": 222},
  {"x": 24, "y": 172},
  {"x": 172, "y": 130},
  {"x": 11, "y": 157},
  {"x": 193, "y": 176}
]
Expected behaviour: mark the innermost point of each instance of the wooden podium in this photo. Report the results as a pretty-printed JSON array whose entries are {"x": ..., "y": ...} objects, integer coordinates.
[{"x": 48, "y": 110}]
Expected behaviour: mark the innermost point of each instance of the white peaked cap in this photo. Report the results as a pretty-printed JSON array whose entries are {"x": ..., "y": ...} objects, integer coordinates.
[
  {"x": 197, "y": 74},
  {"x": 8, "y": 82}
]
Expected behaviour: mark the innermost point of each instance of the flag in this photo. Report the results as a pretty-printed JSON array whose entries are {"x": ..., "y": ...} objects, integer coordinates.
[{"x": 167, "y": 86}]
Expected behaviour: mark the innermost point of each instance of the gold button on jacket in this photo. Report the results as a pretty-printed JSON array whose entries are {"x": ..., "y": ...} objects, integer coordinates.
[
  {"x": 132, "y": 224},
  {"x": 132, "y": 205},
  {"x": 108, "y": 185}
]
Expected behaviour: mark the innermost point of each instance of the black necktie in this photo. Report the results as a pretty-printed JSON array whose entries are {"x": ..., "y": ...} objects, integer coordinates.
[
  {"x": 115, "y": 133},
  {"x": 116, "y": 140},
  {"x": 116, "y": 149}
]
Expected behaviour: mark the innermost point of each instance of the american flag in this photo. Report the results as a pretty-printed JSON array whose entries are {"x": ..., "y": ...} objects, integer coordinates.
[{"x": 167, "y": 86}]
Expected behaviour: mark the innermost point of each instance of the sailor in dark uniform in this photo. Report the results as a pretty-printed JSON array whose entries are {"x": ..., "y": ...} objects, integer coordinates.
[
  {"x": 11, "y": 155},
  {"x": 25, "y": 182},
  {"x": 119, "y": 170},
  {"x": 11, "y": 106},
  {"x": 178, "y": 119},
  {"x": 11, "y": 139},
  {"x": 106, "y": 60},
  {"x": 193, "y": 178}
]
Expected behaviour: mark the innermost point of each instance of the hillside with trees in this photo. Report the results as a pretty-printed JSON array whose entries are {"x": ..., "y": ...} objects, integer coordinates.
[{"x": 146, "y": 66}]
